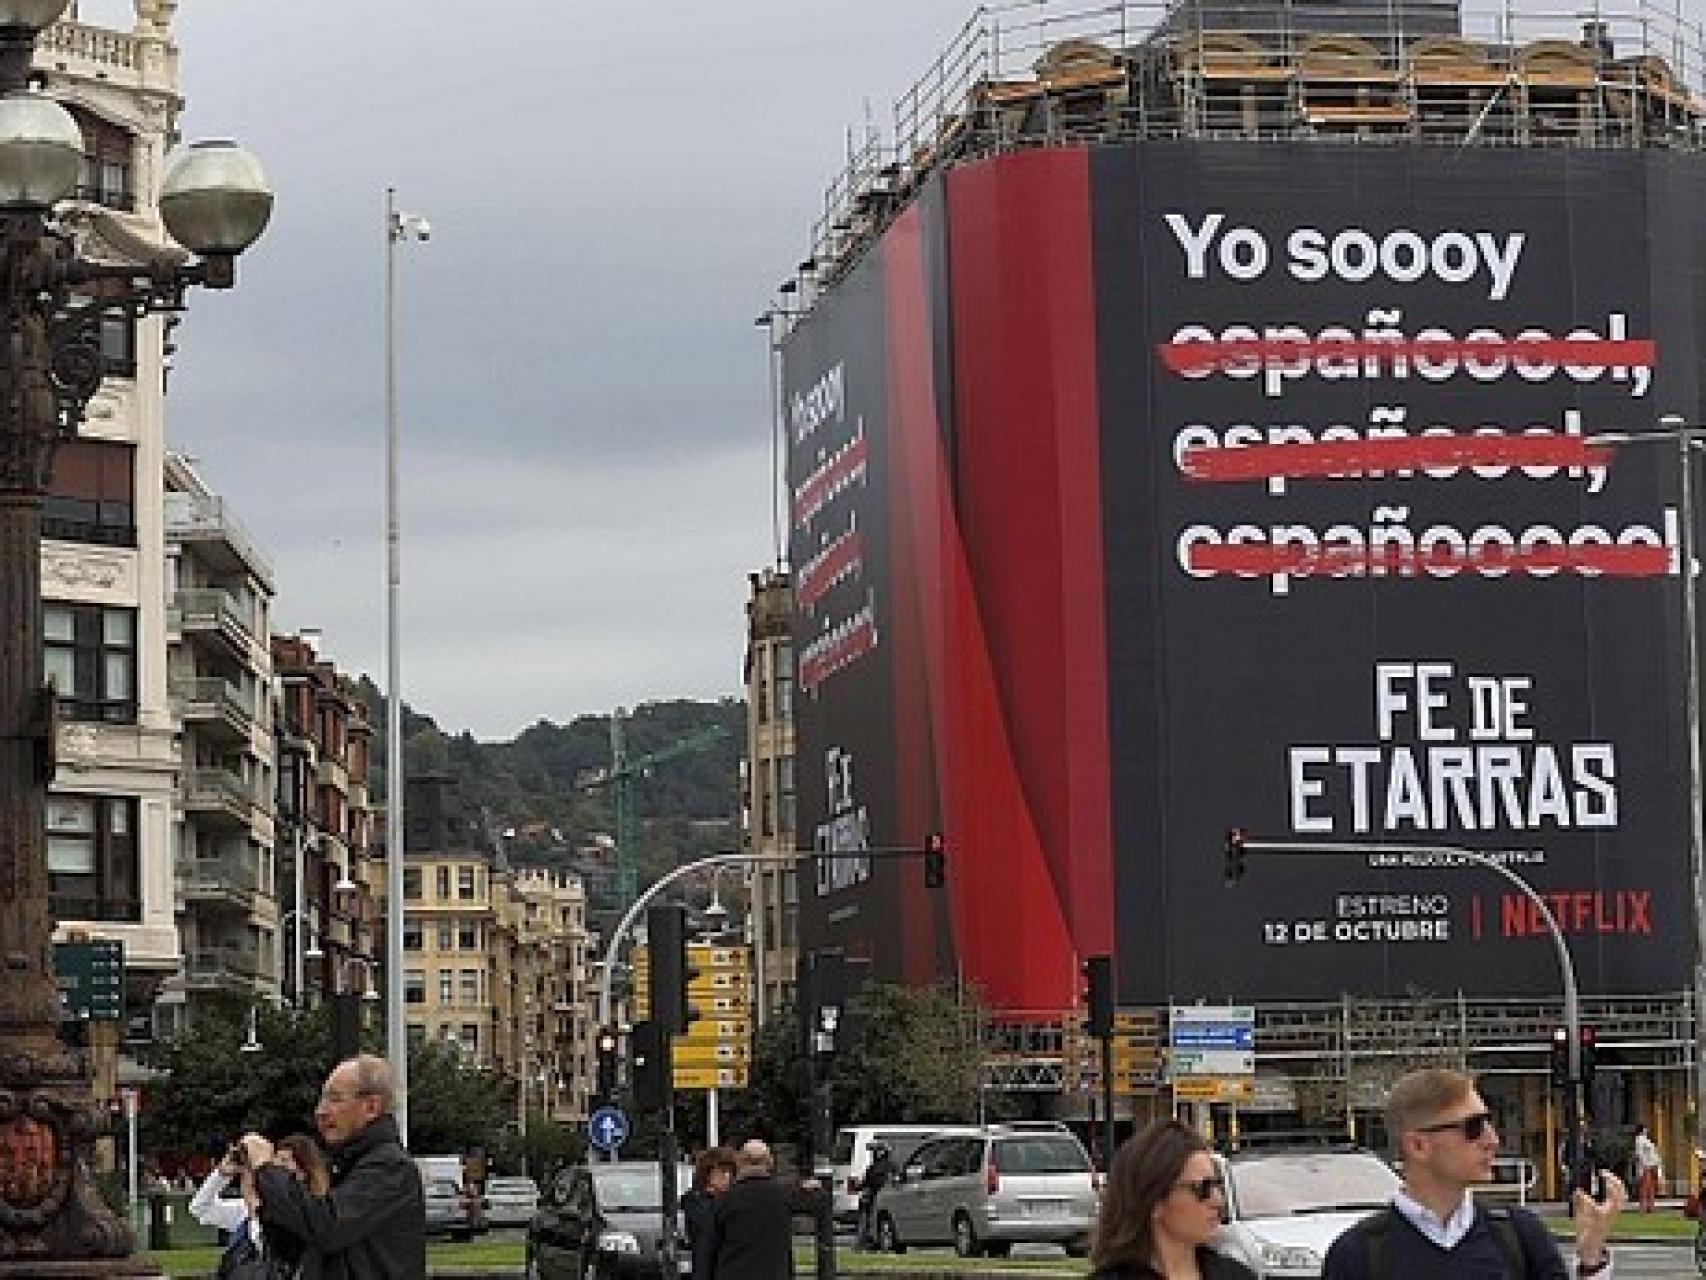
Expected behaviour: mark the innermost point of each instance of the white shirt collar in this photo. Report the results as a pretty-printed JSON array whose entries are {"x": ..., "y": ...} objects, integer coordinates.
[{"x": 1447, "y": 1234}]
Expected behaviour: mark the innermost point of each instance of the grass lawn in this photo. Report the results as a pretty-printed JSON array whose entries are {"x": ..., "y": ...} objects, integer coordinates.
[{"x": 476, "y": 1253}]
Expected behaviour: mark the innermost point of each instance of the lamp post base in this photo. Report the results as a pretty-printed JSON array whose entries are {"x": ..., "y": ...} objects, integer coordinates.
[{"x": 53, "y": 1221}]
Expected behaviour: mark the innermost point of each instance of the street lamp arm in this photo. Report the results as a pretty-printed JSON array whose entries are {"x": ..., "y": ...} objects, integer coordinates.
[
  {"x": 663, "y": 882},
  {"x": 1566, "y": 966}
]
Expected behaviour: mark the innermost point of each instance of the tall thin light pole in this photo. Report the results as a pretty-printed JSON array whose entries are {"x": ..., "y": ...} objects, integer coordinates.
[
  {"x": 1696, "y": 820},
  {"x": 396, "y": 1033}
]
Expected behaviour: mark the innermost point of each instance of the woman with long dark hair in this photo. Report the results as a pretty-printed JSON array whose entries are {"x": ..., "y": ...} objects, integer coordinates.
[{"x": 1162, "y": 1203}]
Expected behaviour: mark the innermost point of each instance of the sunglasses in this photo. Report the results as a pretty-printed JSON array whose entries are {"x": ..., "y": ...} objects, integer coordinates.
[
  {"x": 1471, "y": 1127},
  {"x": 1203, "y": 1188}
]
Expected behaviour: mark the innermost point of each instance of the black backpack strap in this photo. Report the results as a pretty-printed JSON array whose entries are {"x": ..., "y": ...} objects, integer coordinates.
[
  {"x": 1377, "y": 1227},
  {"x": 1510, "y": 1241}
]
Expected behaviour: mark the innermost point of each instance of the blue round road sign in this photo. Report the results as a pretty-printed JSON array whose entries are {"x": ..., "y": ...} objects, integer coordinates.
[{"x": 607, "y": 1129}]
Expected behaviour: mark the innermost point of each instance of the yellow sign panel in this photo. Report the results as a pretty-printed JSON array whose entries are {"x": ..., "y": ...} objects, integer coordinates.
[
  {"x": 710, "y": 1077},
  {"x": 716, "y": 1029},
  {"x": 714, "y": 1053},
  {"x": 705, "y": 956},
  {"x": 1214, "y": 1088}
]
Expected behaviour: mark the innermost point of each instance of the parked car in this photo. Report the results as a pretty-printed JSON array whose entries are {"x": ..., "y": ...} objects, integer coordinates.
[
  {"x": 1284, "y": 1208},
  {"x": 852, "y": 1156},
  {"x": 986, "y": 1192},
  {"x": 451, "y": 1211},
  {"x": 511, "y": 1202},
  {"x": 601, "y": 1221}
]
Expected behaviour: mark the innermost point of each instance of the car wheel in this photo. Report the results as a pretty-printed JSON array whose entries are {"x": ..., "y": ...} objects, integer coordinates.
[
  {"x": 966, "y": 1243},
  {"x": 998, "y": 1248},
  {"x": 888, "y": 1239}
]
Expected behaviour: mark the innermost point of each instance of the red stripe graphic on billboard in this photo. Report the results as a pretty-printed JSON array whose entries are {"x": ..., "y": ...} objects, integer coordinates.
[
  {"x": 1244, "y": 355},
  {"x": 1396, "y": 456},
  {"x": 1027, "y": 486}
]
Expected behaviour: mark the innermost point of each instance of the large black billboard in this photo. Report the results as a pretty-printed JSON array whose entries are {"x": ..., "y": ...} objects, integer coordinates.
[{"x": 1438, "y": 644}]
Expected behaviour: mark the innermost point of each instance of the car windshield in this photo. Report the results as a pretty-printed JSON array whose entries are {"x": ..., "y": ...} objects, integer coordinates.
[
  {"x": 1040, "y": 1155},
  {"x": 634, "y": 1188},
  {"x": 443, "y": 1189},
  {"x": 1310, "y": 1182}
]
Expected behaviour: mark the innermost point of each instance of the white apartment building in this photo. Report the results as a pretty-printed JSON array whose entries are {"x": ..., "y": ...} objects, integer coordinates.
[
  {"x": 113, "y": 805},
  {"x": 220, "y": 678}
]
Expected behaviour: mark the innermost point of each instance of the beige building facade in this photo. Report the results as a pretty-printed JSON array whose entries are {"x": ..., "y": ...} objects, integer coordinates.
[{"x": 768, "y": 802}]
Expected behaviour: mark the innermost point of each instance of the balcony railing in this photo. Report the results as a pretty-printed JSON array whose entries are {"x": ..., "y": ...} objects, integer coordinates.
[
  {"x": 218, "y": 789},
  {"x": 233, "y": 879},
  {"x": 209, "y": 608},
  {"x": 204, "y": 697},
  {"x": 192, "y": 517},
  {"x": 225, "y": 964}
]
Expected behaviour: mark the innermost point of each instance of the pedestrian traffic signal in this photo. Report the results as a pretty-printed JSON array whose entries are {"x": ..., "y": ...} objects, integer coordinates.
[
  {"x": 607, "y": 1044},
  {"x": 1590, "y": 1055},
  {"x": 648, "y": 1050},
  {"x": 1099, "y": 995},
  {"x": 670, "y": 973},
  {"x": 1560, "y": 1057},
  {"x": 935, "y": 861},
  {"x": 1235, "y": 838}
]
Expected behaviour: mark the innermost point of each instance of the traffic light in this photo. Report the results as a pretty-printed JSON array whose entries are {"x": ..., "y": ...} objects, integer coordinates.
[
  {"x": 670, "y": 972},
  {"x": 1590, "y": 1055},
  {"x": 1235, "y": 838},
  {"x": 1560, "y": 1058},
  {"x": 606, "y": 1063},
  {"x": 935, "y": 861},
  {"x": 1099, "y": 995},
  {"x": 648, "y": 1051}
]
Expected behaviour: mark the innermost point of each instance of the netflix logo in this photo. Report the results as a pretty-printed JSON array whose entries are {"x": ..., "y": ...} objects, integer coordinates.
[{"x": 1578, "y": 911}]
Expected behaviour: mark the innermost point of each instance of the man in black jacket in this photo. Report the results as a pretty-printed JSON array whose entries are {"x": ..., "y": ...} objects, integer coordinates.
[
  {"x": 1443, "y": 1132},
  {"x": 372, "y": 1224},
  {"x": 752, "y": 1225}
]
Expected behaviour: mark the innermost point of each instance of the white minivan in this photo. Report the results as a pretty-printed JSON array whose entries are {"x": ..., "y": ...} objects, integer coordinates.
[{"x": 852, "y": 1155}]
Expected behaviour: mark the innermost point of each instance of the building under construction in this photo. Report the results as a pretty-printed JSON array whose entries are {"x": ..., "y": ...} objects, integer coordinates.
[{"x": 1190, "y": 420}]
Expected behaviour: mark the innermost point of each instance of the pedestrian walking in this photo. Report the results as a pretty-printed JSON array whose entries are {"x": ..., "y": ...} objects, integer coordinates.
[
  {"x": 1443, "y": 1133},
  {"x": 1162, "y": 1203},
  {"x": 752, "y": 1224},
  {"x": 249, "y": 1253},
  {"x": 1649, "y": 1168},
  {"x": 712, "y": 1173},
  {"x": 371, "y": 1223},
  {"x": 878, "y": 1174}
]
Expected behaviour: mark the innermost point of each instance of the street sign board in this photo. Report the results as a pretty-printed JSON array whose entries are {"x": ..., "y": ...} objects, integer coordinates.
[
  {"x": 607, "y": 1128},
  {"x": 1212, "y": 1040},
  {"x": 91, "y": 980},
  {"x": 711, "y": 1077},
  {"x": 1213, "y": 1089}
]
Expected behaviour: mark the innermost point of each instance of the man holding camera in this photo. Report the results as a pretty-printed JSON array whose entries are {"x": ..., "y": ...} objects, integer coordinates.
[
  {"x": 372, "y": 1224},
  {"x": 1443, "y": 1133}
]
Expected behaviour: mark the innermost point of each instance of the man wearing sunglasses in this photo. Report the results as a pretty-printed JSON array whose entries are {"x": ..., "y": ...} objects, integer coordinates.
[{"x": 1443, "y": 1134}]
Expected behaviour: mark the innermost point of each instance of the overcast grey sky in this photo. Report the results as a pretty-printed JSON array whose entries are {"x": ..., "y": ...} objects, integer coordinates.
[{"x": 614, "y": 191}]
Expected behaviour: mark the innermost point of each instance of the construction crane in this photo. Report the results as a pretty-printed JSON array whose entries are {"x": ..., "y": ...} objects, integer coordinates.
[{"x": 620, "y": 777}]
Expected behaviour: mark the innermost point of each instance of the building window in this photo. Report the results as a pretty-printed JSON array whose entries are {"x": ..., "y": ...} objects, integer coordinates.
[
  {"x": 468, "y": 936},
  {"x": 93, "y": 494},
  {"x": 106, "y": 173},
  {"x": 470, "y": 986},
  {"x": 92, "y": 858},
  {"x": 470, "y": 1038},
  {"x": 465, "y": 883},
  {"x": 446, "y": 986},
  {"x": 414, "y": 987},
  {"x": 417, "y": 1035},
  {"x": 118, "y": 346},
  {"x": 444, "y": 884},
  {"x": 784, "y": 683},
  {"x": 91, "y": 661},
  {"x": 787, "y": 811},
  {"x": 412, "y": 940},
  {"x": 446, "y": 935},
  {"x": 412, "y": 884}
]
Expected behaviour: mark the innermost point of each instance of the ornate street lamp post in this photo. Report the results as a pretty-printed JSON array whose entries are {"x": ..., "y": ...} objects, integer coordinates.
[{"x": 215, "y": 203}]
